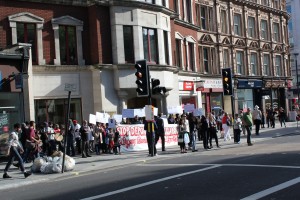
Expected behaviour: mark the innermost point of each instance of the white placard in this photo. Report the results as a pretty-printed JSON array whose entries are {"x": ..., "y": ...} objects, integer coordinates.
[
  {"x": 128, "y": 113},
  {"x": 189, "y": 107},
  {"x": 199, "y": 112},
  {"x": 111, "y": 123},
  {"x": 175, "y": 110},
  {"x": 118, "y": 118},
  {"x": 149, "y": 112},
  {"x": 139, "y": 112},
  {"x": 92, "y": 119},
  {"x": 102, "y": 117}
]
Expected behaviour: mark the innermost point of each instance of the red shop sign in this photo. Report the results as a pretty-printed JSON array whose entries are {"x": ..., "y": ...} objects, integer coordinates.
[{"x": 188, "y": 85}]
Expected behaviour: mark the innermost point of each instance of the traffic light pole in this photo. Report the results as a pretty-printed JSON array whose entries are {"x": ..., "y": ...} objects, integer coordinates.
[{"x": 151, "y": 122}]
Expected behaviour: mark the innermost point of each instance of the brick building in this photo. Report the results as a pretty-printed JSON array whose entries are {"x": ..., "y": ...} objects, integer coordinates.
[{"x": 93, "y": 45}]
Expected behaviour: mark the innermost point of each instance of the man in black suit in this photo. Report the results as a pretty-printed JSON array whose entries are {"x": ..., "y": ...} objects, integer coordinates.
[{"x": 160, "y": 131}]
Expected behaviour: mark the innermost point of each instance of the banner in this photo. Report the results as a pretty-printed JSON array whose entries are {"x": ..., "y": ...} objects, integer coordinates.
[{"x": 133, "y": 137}]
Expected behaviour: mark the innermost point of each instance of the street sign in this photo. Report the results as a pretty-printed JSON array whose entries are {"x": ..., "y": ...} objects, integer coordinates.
[
  {"x": 70, "y": 87},
  {"x": 249, "y": 84}
]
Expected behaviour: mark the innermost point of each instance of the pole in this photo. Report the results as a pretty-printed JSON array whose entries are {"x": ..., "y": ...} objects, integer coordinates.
[
  {"x": 296, "y": 54},
  {"x": 66, "y": 131}
]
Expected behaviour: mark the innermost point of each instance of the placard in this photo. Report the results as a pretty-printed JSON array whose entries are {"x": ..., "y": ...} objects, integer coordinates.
[
  {"x": 92, "y": 119},
  {"x": 189, "y": 107},
  {"x": 128, "y": 113},
  {"x": 118, "y": 118},
  {"x": 175, "y": 110},
  {"x": 111, "y": 123},
  {"x": 199, "y": 112}
]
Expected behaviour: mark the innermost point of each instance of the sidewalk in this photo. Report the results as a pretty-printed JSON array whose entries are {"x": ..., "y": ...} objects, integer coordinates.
[{"x": 105, "y": 161}]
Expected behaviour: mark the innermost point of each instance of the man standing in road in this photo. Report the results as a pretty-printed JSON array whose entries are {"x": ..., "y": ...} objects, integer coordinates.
[
  {"x": 247, "y": 120},
  {"x": 160, "y": 131}
]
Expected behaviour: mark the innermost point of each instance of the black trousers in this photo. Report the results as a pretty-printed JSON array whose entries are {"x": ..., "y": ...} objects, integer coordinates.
[
  {"x": 237, "y": 135},
  {"x": 213, "y": 134},
  {"x": 257, "y": 123},
  {"x": 162, "y": 137},
  {"x": 205, "y": 138},
  {"x": 150, "y": 139},
  {"x": 70, "y": 145}
]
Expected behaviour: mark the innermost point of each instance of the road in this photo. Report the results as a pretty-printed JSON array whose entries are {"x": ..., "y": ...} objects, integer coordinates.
[{"x": 268, "y": 170}]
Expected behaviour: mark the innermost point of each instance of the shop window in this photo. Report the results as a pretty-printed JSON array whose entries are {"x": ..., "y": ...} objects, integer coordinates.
[
  {"x": 128, "y": 44},
  {"x": 55, "y": 109},
  {"x": 245, "y": 98},
  {"x": 150, "y": 45}
]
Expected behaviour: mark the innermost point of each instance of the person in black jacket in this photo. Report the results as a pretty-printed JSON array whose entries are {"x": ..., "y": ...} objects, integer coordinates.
[
  {"x": 150, "y": 135},
  {"x": 84, "y": 132},
  {"x": 160, "y": 131},
  {"x": 204, "y": 130}
]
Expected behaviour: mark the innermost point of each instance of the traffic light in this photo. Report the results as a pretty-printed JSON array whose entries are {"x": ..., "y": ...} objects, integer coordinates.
[
  {"x": 156, "y": 89},
  {"x": 227, "y": 81},
  {"x": 142, "y": 78}
]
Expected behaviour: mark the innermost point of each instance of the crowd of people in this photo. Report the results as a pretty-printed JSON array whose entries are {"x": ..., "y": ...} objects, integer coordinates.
[{"x": 29, "y": 141}]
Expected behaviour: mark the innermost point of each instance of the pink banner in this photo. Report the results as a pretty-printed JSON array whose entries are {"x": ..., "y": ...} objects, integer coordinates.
[{"x": 133, "y": 137}]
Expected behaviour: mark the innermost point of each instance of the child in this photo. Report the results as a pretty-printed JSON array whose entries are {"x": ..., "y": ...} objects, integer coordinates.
[
  {"x": 237, "y": 127},
  {"x": 117, "y": 146}
]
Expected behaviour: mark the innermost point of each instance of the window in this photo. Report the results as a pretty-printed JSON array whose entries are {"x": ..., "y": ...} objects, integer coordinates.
[
  {"x": 166, "y": 45},
  {"x": 253, "y": 64},
  {"x": 223, "y": 21},
  {"x": 278, "y": 65},
  {"x": 189, "y": 11},
  {"x": 27, "y": 28},
  {"x": 191, "y": 56},
  {"x": 276, "y": 32},
  {"x": 175, "y": 4},
  {"x": 237, "y": 24},
  {"x": 68, "y": 41},
  {"x": 67, "y": 45},
  {"x": 265, "y": 2},
  {"x": 208, "y": 57},
  {"x": 163, "y": 3},
  {"x": 178, "y": 53},
  {"x": 266, "y": 65},
  {"x": 26, "y": 33},
  {"x": 226, "y": 58},
  {"x": 205, "y": 60},
  {"x": 128, "y": 44},
  {"x": 264, "y": 29},
  {"x": 205, "y": 17},
  {"x": 276, "y": 4},
  {"x": 251, "y": 27},
  {"x": 150, "y": 45},
  {"x": 150, "y": 1},
  {"x": 239, "y": 62}
]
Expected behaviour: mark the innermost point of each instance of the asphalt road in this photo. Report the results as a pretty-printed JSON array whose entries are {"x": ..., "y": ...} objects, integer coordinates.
[{"x": 268, "y": 170}]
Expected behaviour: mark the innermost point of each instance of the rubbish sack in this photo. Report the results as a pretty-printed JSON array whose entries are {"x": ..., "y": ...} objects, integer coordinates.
[
  {"x": 37, "y": 164},
  {"x": 50, "y": 168},
  {"x": 69, "y": 163}
]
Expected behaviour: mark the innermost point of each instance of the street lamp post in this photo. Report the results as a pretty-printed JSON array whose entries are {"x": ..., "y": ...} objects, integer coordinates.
[{"x": 296, "y": 54}]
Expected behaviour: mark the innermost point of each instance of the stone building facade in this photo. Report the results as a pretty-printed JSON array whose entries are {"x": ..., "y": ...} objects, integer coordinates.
[{"x": 94, "y": 44}]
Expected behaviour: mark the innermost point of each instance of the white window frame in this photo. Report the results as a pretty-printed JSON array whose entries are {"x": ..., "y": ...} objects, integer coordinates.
[
  {"x": 251, "y": 27},
  {"x": 278, "y": 64},
  {"x": 68, "y": 21},
  {"x": 264, "y": 30},
  {"x": 240, "y": 62},
  {"x": 276, "y": 32},
  {"x": 26, "y": 17},
  {"x": 266, "y": 69},
  {"x": 237, "y": 25},
  {"x": 253, "y": 64}
]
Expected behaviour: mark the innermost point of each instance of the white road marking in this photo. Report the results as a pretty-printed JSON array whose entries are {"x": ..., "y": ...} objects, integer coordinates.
[
  {"x": 149, "y": 183},
  {"x": 227, "y": 165},
  {"x": 273, "y": 189}
]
